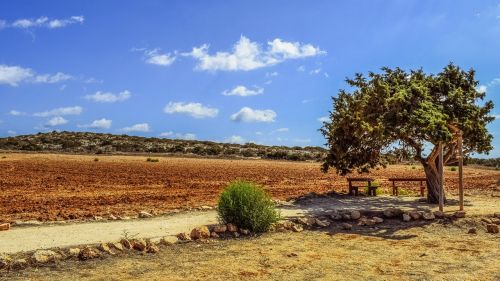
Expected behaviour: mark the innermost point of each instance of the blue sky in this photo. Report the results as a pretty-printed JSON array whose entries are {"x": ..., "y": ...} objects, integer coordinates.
[{"x": 235, "y": 71}]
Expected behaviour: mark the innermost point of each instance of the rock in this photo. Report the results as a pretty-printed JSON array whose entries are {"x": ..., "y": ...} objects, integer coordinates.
[
  {"x": 460, "y": 214},
  {"x": 428, "y": 216},
  {"x": 355, "y": 215},
  {"x": 346, "y": 226},
  {"x": 245, "y": 231},
  {"x": 73, "y": 252},
  {"x": 496, "y": 215},
  {"x": 231, "y": 227},
  {"x": 336, "y": 217},
  {"x": 200, "y": 232},
  {"x": 183, "y": 236},
  {"x": 472, "y": 231},
  {"x": 486, "y": 220},
  {"x": 88, "y": 253},
  {"x": 205, "y": 207},
  {"x": 45, "y": 256},
  {"x": 168, "y": 240},
  {"x": 145, "y": 215},
  {"x": 284, "y": 225},
  {"x": 138, "y": 244},
  {"x": 378, "y": 220},
  {"x": 105, "y": 248},
  {"x": 235, "y": 234},
  {"x": 370, "y": 222},
  {"x": 492, "y": 228},
  {"x": 307, "y": 221},
  {"x": 297, "y": 228},
  {"x": 152, "y": 248},
  {"x": 4, "y": 226},
  {"x": 406, "y": 217},
  {"x": 19, "y": 264},
  {"x": 415, "y": 215},
  {"x": 392, "y": 212},
  {"x": 214, "y": 234},
  {"x": 126, "y": 243},
  {"x": 116, "y": 246},
  {"x": 439, "y": 214},
  {"x": 220, "y": 228},
  {"x": 5, "y": 261},
  {"x": 321, "y": 223},
  {"x": 495, "y": 221},
  {"x": 98, "y": 218},
  {"x": 346, "y": 216},
  {"x": 123, "y": 218},
  {"x": 112, "y": 217}
]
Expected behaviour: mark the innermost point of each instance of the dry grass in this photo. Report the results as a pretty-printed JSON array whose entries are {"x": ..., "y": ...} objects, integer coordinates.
[{"x": 420, "y": 252}]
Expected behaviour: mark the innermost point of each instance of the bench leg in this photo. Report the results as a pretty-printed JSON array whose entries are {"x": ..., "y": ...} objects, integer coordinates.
[
  {"x": 350, "y": 188},
  {"x": 421, "y": 189},
  {"x": 355, "y": 191},
  {"x": 394, "y": 189}
]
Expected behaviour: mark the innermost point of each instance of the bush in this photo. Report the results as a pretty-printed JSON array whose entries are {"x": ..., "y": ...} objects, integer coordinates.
[
  {"x": 247, "y": 206},
  {"x": 96, "y": 159},
  {"x": 152, "y": 160},
  {"x": 453, "y": 168}
]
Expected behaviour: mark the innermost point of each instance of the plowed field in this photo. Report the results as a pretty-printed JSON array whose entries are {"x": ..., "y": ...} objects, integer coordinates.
[{"x": 61, "y": 187}]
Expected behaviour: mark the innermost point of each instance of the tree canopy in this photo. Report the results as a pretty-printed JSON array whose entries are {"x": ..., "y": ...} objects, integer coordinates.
[{"x": 412, "y": 110}]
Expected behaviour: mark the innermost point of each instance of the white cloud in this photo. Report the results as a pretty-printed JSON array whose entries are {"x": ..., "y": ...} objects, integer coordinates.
[
  {"x": 14, "y": 75},
  {"x": 482, "y": 89},
  {"x": 172, "y": 135},
  {"x": 326, "y": 74},
  {"x": 16, "y": 113},
  {"x": 259, "y": 133},
  {"x": 196, "y": 110},
  {"x": 247, "y": 55},
  {"x": 141, "y": 127},
  {"x": 324, "y": 119},
  {"x": 51, "y": 79},
  {"x": 268, "y": 82},
  {"x": 247, "y": 114},
  {"x": 93, "y": 80},
  {"x": 155, "y": 57},
  {"x": 235, "y": 139},
  {"x": 272, "y": 74},
  {"x": 105, "y": 97},
  {"x": 102, "y": 123},
  {"x": 315, "y": 71},
  {"x": 12, "y": 133},
  {"x": 56, "y": 121},
  {"x": 301, "y": 68},
  {"x": 3, "y": 24},
  {"x": 243, "y": 91},
  {"x": 73, "y": 110},
  {"x": 44, "y": 22},
  {"x": 282, "y": 130}
]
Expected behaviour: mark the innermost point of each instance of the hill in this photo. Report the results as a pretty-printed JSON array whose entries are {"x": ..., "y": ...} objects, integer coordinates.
[{"x": 97, "y": 143}]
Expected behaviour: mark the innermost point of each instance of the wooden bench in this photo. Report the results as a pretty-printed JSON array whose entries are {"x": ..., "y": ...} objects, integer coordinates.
[
  {"x": 372, "y": 190},
  {"x": 395, "y": 190}
]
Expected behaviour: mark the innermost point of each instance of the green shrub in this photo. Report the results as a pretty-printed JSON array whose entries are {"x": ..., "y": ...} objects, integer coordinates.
[
  {"x": 247, "y": 206},
  {"x": 453, "y": 168},
  {"x": 152, "y": 160},
  {"x": 413, "y": 167},
  {"x": 96, "y": 159}
]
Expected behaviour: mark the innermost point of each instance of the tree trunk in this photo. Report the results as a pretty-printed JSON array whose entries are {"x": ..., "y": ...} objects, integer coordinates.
[{"x": 432, "y": 175}]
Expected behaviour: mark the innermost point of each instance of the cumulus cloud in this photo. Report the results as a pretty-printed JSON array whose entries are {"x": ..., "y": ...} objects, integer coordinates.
[
  {"x": 323, "y": 119},
  {"x": 172, "y": 135},
  {"x": 156, "y": 57},
  {"x": 102, "y": 123},
  {"x": 56, "y": 121},
  {"x": 44, "y": 22},
  {"x": 14, "y": 75},
  {"x": 106, "y": 97},
  {"x": 195, "y": 110},
  {"x": 72, "y": 110},
  {"x": 247, "y": 55},
  {"x": 141, "y": 127},
  {"x": 16, "y": 113},
  {"x": 243, "y": 91},
  {"x": 247, "y": 114},
  {"x": 235, "y": 139}
]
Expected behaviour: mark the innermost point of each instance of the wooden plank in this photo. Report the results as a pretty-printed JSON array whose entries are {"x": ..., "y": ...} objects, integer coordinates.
[{"x": 460, "y": 172}]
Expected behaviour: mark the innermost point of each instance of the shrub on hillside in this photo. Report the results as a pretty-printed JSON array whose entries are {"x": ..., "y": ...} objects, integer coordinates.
[{"x": 247, "y": 206}]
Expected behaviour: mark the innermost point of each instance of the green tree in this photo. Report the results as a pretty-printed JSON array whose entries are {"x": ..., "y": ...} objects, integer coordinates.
[{"x": 410, "y": 110}]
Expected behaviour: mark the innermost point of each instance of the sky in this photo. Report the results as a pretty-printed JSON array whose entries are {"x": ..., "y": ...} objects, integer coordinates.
[{"x": 230, "y": 71}]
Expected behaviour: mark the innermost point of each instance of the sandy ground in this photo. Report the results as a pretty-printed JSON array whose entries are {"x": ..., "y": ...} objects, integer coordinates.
[
  {"x": 29, "y": 238},
  {"x": 420, "y": 251},
  {"x": 63, "y": 187}
]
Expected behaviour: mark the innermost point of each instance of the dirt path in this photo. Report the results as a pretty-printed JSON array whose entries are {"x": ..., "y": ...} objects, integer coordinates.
[{"x": 30, "y": 238}]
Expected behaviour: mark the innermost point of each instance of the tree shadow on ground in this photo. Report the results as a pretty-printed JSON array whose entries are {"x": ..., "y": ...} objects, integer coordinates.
[{"x": 321, "y": 206}]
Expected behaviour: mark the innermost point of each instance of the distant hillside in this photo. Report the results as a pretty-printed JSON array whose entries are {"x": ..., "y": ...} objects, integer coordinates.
[{"x": 94, "y": 143}]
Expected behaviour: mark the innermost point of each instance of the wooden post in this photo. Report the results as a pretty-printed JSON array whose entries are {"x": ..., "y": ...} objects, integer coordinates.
[
  {"x": 441, "y": 177},
  {"x": 460, "y": 172}
]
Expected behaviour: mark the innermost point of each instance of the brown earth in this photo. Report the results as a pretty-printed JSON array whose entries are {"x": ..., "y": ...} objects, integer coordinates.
[{"x": 61, "y": 187}]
